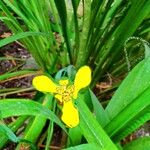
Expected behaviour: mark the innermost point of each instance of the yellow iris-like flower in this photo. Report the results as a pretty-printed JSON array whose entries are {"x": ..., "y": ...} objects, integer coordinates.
[{"x": 65, "y": 93}]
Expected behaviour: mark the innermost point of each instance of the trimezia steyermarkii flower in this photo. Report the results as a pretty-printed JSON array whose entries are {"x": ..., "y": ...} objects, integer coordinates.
[{"x": 65, "y": 92}]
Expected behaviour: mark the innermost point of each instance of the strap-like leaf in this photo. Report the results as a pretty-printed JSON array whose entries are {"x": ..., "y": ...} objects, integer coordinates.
[
  {"x": 84, "y": 147},
  {"x": 6, "y": 131},
  {"x": 139, "y": 144},
  {"x": 129, "y": 107},
  {"x": 91, "y": 129},
  {"x": 18, "y": 107}
]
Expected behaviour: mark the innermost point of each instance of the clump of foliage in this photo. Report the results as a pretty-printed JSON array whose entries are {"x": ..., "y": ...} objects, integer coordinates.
[{"x": 77, "y": 33}]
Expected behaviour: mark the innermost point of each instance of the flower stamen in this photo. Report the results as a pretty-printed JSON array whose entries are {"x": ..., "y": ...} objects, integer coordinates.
[{"x": 66, "y": 91}]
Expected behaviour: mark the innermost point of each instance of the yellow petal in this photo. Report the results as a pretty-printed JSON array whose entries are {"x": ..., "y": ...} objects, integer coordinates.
[
  {"x": 70, "y": 115},
  {"x": 44, "y": 84},
  {"x": 82, "y": 79},
  {"x": 63, "y": 82},
  {"x": 59, "y": 97}
]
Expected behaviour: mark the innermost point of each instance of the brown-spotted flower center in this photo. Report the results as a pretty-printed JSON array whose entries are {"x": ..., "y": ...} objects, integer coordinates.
[{"x": 65, "y": 93}]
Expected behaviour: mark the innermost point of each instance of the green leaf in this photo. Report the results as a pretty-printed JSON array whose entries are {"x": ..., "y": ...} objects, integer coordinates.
[
  {"x": 84, "y": 147},
  {"x": 91, "y": 129},
  {"x": 137, "y": 10},
  {"x": 14, "y": 126},
  {"x": 61, "y": 7},
  {"x": 4, "y": 130},
  {"x": 139, "y": 144},
  {"x": 130, "y": 118},
  {"x": 135, "y": 84},
  {"x": 17, "y": 107},
  {"x": 84, "y": 34},
  {"x": 14, "y": 74},
  {"x": 39, "y": 122},
  {"x": 74, "y": 136},
  {"x": 147, "y": 50},
  {"x": 19, "y": 36},
  {"x": 75, "y": 4},
  {"x": 36, "y": 127},
  {"x": 129, "y": 107},
  {"x": 50, "y": 129},
  {"x": 99, "y": 111}
]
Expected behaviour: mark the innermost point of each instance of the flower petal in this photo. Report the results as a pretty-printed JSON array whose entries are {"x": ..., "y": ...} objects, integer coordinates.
[
  {"x": 82, "y": 79},
  {"x": 70, "y": 115},
  {"x": 44, "y": 84},
  {"x": 63, "y": 82},
  {"x": 59, "y": 97}
]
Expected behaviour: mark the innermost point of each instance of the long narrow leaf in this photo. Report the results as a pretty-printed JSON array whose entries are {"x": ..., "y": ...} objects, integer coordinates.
[
  {"x": 84, "y": 147},
  {"x": 139, "y": 144},
  {"x": 91, "y": 129},
  {"x": 135, "y": 83},
  {"x": 19, "y": 36},
  {"x": 26, "y": 107}
]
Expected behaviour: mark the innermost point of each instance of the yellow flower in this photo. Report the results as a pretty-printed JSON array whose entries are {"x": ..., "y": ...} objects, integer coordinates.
[{"x": 65, "y": 92}]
